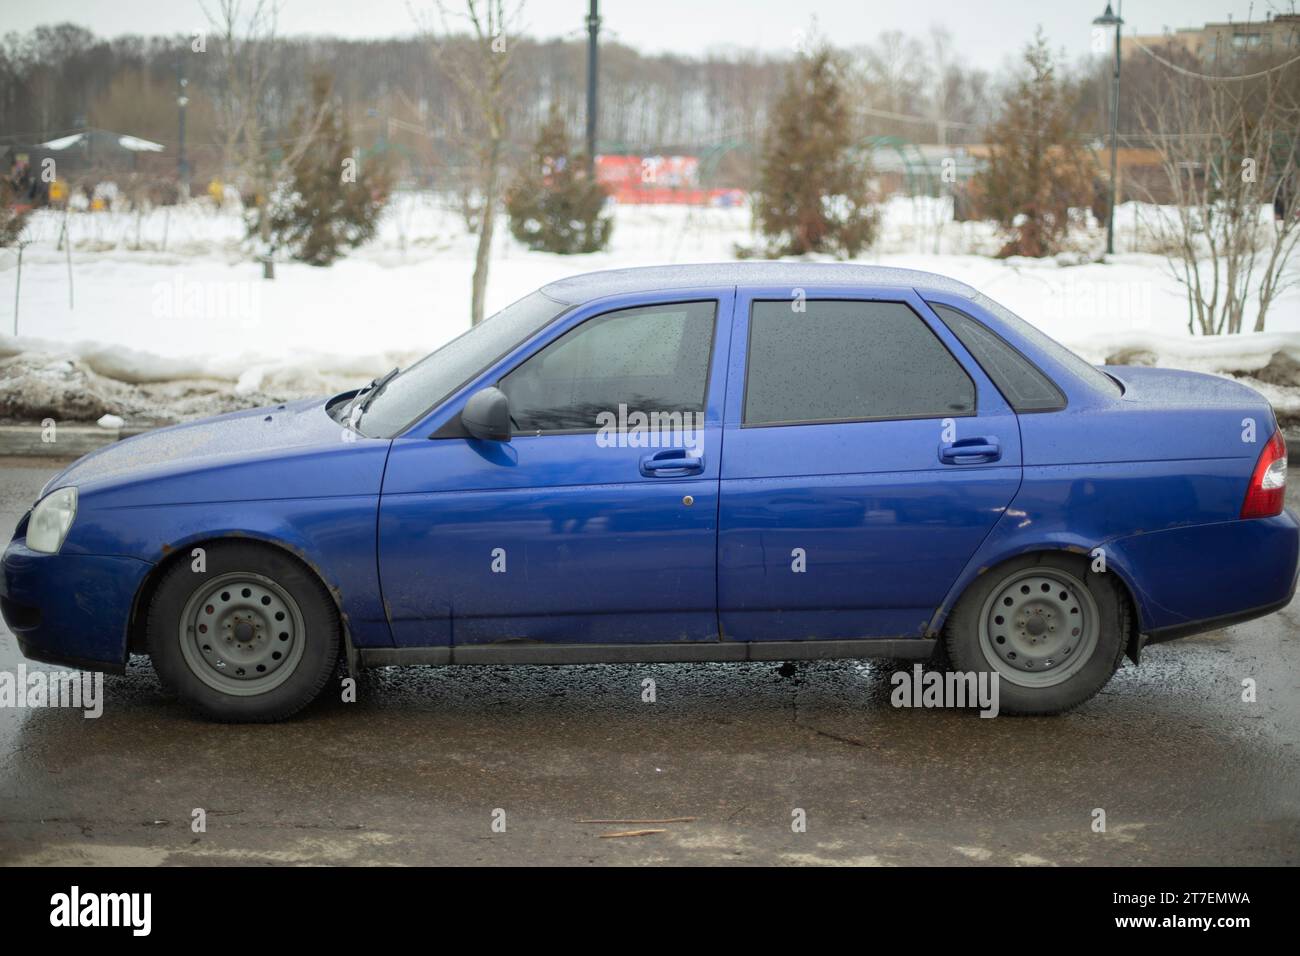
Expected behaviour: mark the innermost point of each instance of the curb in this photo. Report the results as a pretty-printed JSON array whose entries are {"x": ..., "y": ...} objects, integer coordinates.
[{"x": 70, "y": 441}]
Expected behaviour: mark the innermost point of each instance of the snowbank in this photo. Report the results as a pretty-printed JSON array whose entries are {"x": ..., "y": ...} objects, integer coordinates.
[{"x": 166, "y": 307}]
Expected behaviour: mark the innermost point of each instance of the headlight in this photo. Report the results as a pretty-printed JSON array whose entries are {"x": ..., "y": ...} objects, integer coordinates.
[{"x": 51, "y": 519}]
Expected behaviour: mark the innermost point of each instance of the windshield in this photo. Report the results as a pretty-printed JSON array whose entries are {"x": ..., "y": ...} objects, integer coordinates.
[{"x": 426, "y": 383}]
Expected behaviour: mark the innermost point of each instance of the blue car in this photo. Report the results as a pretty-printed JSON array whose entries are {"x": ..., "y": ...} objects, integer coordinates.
[{"x": 739, "y": 462}]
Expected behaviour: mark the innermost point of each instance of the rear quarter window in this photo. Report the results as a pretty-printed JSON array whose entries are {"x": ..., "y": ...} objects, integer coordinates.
[
  {"x": 1021, "y": 383},
  {"x": 1090, "y": 374}
]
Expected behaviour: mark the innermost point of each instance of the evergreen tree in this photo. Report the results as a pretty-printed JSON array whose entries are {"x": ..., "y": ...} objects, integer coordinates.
[
  {"x": 330, "y": 202},
  {"x": 1038, "y": 170},
  {"x": 814, "y": 189},
  {"x": 553, "y": 204}
]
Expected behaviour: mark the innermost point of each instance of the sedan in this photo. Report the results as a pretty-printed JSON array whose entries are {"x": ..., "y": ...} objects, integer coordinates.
[{"x": 738, "y": 462}]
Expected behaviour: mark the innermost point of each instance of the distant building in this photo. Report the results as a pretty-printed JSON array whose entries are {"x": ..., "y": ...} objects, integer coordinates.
[
  {"x": 1225, "y": 41},
  {"x": 101, "y": 150},
  {"x": 91, "y": 161}
]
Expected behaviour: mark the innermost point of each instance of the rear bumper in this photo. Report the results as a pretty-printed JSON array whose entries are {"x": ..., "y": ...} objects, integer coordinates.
[
  {"x": 1190, "y": 580},
  {"x": 69, "y": 609}
]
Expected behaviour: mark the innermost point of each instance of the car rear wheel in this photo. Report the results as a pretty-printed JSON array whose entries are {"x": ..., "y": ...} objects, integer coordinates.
[
  {"x": 253, "y": 636},
  {"x": 1053, "y": 632}
]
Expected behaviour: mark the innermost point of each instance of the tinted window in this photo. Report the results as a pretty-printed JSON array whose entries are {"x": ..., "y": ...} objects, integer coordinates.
[
  {"x": 652, "y": 359},
  {"x": 437, "y": 375},
  {"x": 1025, "y": 388},
  {"x": 843, "y": 360},
  {"x": 1052, "y": 348}
]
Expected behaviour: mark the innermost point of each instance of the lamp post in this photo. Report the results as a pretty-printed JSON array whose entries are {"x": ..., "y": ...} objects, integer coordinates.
[
  {"x": 1109, "y": 19},
  {"x": 593, "y": 34},
  {"x": 182, "y": 100}
]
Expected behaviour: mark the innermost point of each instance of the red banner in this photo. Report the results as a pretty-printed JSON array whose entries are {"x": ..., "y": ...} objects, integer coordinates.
[{"x": 637, "y": 180}]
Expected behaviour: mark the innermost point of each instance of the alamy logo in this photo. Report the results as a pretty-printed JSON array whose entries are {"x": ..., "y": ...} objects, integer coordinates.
[
  {"x": 184, "y": 298},
  {"x": 75, "y": 909},
  {"x": 922, "y": 688},
  {"x": 650, "y": 430},
  {"x": 75, "y": 689}
]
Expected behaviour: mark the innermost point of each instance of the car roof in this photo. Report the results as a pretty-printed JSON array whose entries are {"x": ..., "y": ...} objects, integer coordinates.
[{"x": 594, "y": 285}]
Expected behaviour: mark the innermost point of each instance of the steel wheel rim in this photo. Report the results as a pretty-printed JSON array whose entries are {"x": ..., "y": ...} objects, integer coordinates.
[
  {"x": 242, "y": 634},
  {"x": 1039, "y": 627}
]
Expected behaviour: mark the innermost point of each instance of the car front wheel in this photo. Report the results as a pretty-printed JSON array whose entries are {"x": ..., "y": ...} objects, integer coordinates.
[
  {"x": 251, "y": 635},
  {"x": 1053, "y": 632}
]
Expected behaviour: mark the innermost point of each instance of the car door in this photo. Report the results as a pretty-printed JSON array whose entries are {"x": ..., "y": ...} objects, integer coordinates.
[
  {"x": 597, "y": 522},
  {"x": 866, "y": 456}
]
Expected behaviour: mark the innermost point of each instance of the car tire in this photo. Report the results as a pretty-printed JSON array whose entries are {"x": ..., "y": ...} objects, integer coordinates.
[
  {"x": 252, "y": 636},
  {"x": 1052, "y": 631}
]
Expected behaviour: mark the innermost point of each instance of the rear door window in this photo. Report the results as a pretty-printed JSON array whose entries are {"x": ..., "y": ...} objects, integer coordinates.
[{"x": 847, "y": 360}]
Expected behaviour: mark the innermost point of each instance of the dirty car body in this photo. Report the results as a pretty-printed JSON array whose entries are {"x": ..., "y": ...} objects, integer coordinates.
[{"x": 858, "y": 461}]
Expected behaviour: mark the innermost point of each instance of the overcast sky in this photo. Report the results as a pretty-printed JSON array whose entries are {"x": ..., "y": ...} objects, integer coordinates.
[{"x": 985, "y": 30}]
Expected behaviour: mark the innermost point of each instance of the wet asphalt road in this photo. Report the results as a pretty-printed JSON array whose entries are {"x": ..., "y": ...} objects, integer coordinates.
[{"x": 413, "y": 772}]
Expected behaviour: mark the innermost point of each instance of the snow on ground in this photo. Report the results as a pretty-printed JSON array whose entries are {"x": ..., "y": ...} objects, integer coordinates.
[{"x": 169, "y": 316}]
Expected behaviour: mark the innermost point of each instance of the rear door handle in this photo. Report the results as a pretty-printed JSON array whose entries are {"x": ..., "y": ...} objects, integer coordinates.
[
  {"x": 970, "y": 451},
  {"x": 670, "y": 464}
]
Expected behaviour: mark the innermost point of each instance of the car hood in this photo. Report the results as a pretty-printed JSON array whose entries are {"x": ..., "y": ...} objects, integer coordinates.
[{"x": 272, "y": 428}]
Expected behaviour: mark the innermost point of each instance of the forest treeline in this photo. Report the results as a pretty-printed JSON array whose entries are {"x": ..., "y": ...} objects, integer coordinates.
[{"x": 61, "y": 78}]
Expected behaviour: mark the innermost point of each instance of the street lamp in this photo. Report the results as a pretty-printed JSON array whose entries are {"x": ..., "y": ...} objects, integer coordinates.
[
  {"x": 1109, "y": 19},
  {"x": 593, "y": 35},
  {"x": 182, "y": 100}
]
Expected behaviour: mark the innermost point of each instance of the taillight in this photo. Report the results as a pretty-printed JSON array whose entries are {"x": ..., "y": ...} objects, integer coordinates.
[{"x": 1267, "y": 488}]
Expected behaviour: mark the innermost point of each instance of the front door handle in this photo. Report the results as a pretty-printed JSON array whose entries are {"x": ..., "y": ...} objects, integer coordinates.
[
  {"x": 672, "y": 463},
  {"x": 970, "y": 451}
]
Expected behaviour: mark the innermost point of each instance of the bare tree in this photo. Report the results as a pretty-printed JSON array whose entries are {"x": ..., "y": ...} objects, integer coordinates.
[
  {"x": 479, "y": 67},
  {"x": 944, "y": 77},
  {"x": 249, "y": 47},
  {"x": 892, "y": 83},
  {"x": 1229, "y": 147},
  {"x": 247, "y": 44}
]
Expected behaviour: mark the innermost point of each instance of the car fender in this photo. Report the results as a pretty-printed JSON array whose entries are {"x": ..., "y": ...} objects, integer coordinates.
[
  {"x": 1000, "y": 547},
  {"x": 333, "y": 537}
]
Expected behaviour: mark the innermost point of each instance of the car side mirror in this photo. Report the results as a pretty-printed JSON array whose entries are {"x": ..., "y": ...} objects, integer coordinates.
[{"x": 486, "y": 415}]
